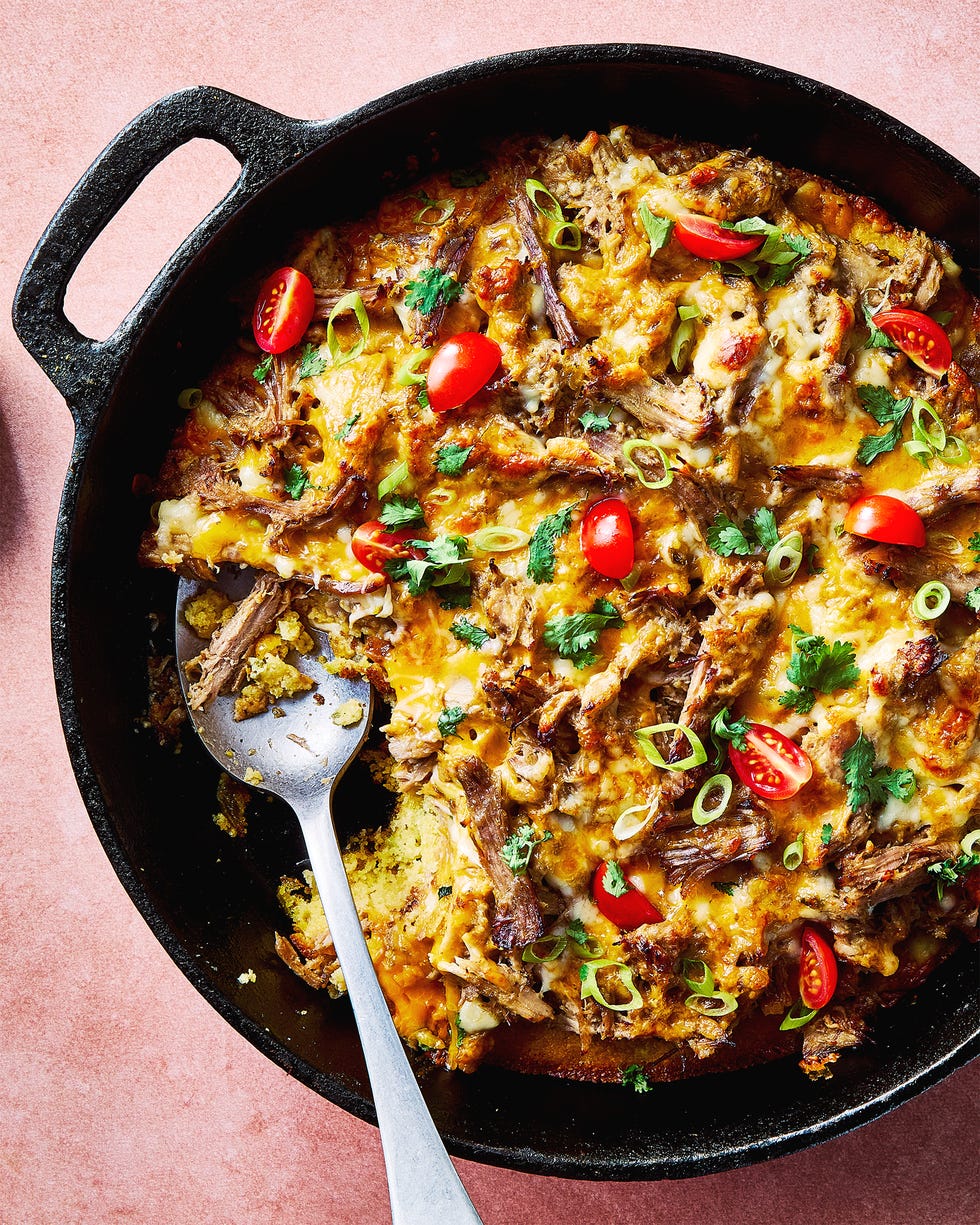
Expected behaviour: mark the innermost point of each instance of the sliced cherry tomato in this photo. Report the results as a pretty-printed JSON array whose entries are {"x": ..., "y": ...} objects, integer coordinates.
[
  {"x": 607, "y": 538},
  {"x": 283, "y": 310},
  {"x": 888, "y": 520},
  {"x": 771, "y": 765},
  {"x": 460, "y": 368},
  {"x": 373, "y": 545},
  {"x": 627, "y": 910},
  {"x": 818, "y": 970},
  {"x": 920, "y": 338},
  {"x": 706, "y": 238}
]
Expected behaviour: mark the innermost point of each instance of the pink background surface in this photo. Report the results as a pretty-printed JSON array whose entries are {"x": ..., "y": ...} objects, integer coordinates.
[{"x": 124, "y": 1096}]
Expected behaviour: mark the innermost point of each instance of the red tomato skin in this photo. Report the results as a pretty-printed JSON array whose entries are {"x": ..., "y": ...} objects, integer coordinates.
[
  {"x": 920, "y": 338},
  {"x": 818, "y": 970},
  {"x": 606, "y": 537},
  {"x": 878, "y": 516},
  {"x": 704, "y": 237},
  {"x": 771, "y": 765},
  {"x": 631, "y": 909},
  {"x": 373, "y": 545},
  {"x": 283, "y": 310},
  {"x": 459, "y": 369}
]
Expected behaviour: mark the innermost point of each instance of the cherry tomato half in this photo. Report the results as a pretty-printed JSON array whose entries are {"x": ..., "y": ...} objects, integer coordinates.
[
  {"x": 920, "y": 338},
  {"x": 607, "y": 538},
  {"x": 818, "y": 970},
  {"x": 283, "y": 310},
  {"x": 460, "y": 368},
  {"x": 373, "y": 545},
  {"x": 885, "y": 519},
  {"x": 627, "y": 910},
  {"x": 706, "y": 238},
  {"x": 771, "y": 765}
]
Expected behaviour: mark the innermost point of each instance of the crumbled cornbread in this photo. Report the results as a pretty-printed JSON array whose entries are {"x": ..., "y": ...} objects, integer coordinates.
[
  {"x": 233, "y": 799},
  {"x": 349, "y": 713},
  {"x": 208, "y": 612}
]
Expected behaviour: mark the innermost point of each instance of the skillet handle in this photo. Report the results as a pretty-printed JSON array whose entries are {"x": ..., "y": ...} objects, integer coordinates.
[{"x": 264, "y": 141}]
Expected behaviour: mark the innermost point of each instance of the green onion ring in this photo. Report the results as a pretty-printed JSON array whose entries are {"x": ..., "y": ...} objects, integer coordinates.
[
  {"x": 702, "y": 814},
  {"x": 556, "y": 229},
  {"x": 704, "y": 984},
  {"x": 784, "y": 559},
  {"x": 650, "y": 751},
  {"x": 551, "y": 208},
  {"x": 407, "y": 374},
  {"x": 555, "y": 943},
  {"x": 190, "y": 398},
  {"x": 681, "y": 344},
  {"x": 392, "y": 480},
  {"x": 718, "y": 1004},
  {"x": 349, "y": 302},
  {"x": 590, "y": 989},
  {"x": 626, "y": 824},
  {"x": 931, "y": 601},
  {"x": 586, "y": 950},
  {"x": 970, "y": 841},
  {"x": 961, "y": 453},
  {"x": 802, "y": 1018},
  {"x": 499, "y": 539},
  {"x": 445, "y": 207},
  {"x": 920, "y": 451},
  {"x": 793, "y": 855},
  {"x": 932, "y": 435},
  {"x": 638, "y": 444}
]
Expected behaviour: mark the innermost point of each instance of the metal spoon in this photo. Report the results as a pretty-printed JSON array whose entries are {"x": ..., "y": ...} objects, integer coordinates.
[{"x": 300, "y": 756}]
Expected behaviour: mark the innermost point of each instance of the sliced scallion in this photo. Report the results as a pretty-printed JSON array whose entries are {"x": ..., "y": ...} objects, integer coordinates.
[
  {"x": 394, "y": 478},
  {"x": 190, "y": 398},
  {"x": 639, "y": 444},
  {"x": 931, "y": 601},
  {"x": 698, "y": 976},
  {"x": 801, "y": 1018},
  {"x": 920, "y": 451},
  {"x": 697, "y": 756},
  {"x": 407, "y": 374},
  {"x": 590, "y": 989},
  {"x": 932, "y": 434},
  {"x": 585, "y": 950},
  {"x": 551, "y": 210},
  {"x": 683, "y": 339},
  {"x": 718, "y": 1004},
  {"x": 784, "y": 559},
  {"x": 702, "y": 814},
  {"x": 969, "y": 843},
  {"x": 630, "y": 822},
  {"x": 443, "y": 208},
  {"x": 793, "y": 855},
  {"x": 548, "y": 948},
  {"x": 499, "y": 539},
  {"x": 960, "y": 455},
  {"x": 349, "y": 302}
]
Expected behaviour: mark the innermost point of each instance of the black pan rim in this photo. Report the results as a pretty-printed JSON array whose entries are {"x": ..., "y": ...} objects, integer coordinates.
[{"x": 614, "y": 1169}]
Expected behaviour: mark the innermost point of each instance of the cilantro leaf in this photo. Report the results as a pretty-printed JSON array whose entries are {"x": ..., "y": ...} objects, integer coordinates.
[
  {"x": 879, "y": 403},
  {"x": 763, "y": 524},
  {"x": 444, "y": 565},
  {"x": 431, "y": 288},
  {"x": 816, "y": 668},
  {"x": 813, "y": 559},
  {"x": 658, "y": 229},
  {"x": 449, "y": 720},
  {"x": 444, "y": 891},
  {"x": 613, "y": 880},
  {"x": 876, "y": 338},
  {"x": 873, "y": 445},
  {"x": 346, "y": 428},
  {"x": 516, "y": 851},
  {"x": 972, "y": 600},
  {"x": 311, "y": 363},
  {"x": 296, "y": 481},
  {"x": 776, "y": 260},
  {"x": 473, "y": 635},
  {"x": 871, "y": 784},
  {"x": 467, "y": 176},
  {"x": 635, "y": 1079},
  {"x": 974, "y": 544},
  {"x": 451, "y": 459},
  {"x": 574, "y": 636},
  {"x": 826, "y": 833},
  {"x": 951, "y": 871},
  {"x": 594, "y": 423},
  {"x": 726, "y": 537},
  {"x": 400, "y": 512},
  {"x": 576, "y": 932},
  {"x": 261, "y": 371},
  {"x": 724, "y": 730},
  {"x": 541, "y": 550},
  {"x": 724, "y": 886}
]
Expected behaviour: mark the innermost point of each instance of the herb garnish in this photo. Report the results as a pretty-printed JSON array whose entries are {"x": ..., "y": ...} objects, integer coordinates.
[
  {"x": 816, "y": 668},
  {"x": 813, "y": 559},
  {"x": 952, "y": 871},
  {"x": 826, "y": 833},
  {"x": 443, "y": 567},
  {"x": 759, "y": 529},
  {"x": 972, "y": 600},
  {"x": 473, "y": 635},
  {"x": 444, "y": 891},
  {"x": 451, "y": 459},
  {"x": 724, "y": 886},
  {"x": 346, "y": 428},
  {"x": 658, "y": 229},
  {"x": 261, "y": 371},
  {"x": 974, "y": 544},
  {"x": 398, "y": 512},
  {"x": 724, "y": 730},
  {"x": 468, "y": 176},
  {"x": 877, "y": 339},
  {"x": 449, "y": 720},
  {"x": 296, "y": 481},
  {"x": 311, "y": 363},
  {"x": 613, "y": 880},
  {"x": 431, "y": 288},
  {"x": 516, "y": 851},
  {"x": 594, "y": 423},
  {"x": 573, "y": 637},
  {"x": 783, "y": 253},
  {"x": 887, "y": 410},
  {"x": 871, "y": 784},
  {"x": 635, "y": 1079},
  {"x": 541, "y": 550}
]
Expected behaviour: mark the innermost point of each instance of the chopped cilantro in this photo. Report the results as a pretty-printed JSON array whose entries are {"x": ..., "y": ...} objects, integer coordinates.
[
  {"x": 764, "y": 528},
  {"x": 759, "y": 529},
  {"x": 573, "y": 637},
  {"x": 871, "y": 784},
  {"x": 295, "y": 481},
  {"x": 613, "y": 880},
  {"x": 972, "y": 600},
  {"x": 449, "y": 720},
  {"x": 467, "y": 176},
  {"x": 576, "y": 932},
  {"x": 451, "y": 459},
  {"x": 724, "y": 730},
  {"x": 423, "y": 397},
  {"x": 876, "y": 338},
  {"x": 813, "y": 560},
  {"x": 516, "y": 851},
  {"x": 658, "y": 229},
  {"x": 442, "y": 566},
  {"x": 400, "y": 512},
  {"x": 444, "y": 891},
  {"x": 311, "y": 363},
  {"x": 541, "y": 550},
  {"x": 346, "y": 428},
  {"x": 724, "y": 886},
  {"x": 952, "y": 871},
  {"x": 778, "y": 257},
  {"x": 826, "y": 833},
  {"x": 974, "y": 544},
  {"x": 635, "y": 1079},
  {"x": 473, "y": 635},
  {"x": 594, "y": 423},
  {"x": 431, "y": 288},
  {"x": 816, "y": 668},
  {"x": 261, "y": 371},
  {"x": 887, "y": 410}
]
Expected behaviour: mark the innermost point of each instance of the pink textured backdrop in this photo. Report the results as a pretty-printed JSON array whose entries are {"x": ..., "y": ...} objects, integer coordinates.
[{"x": 124, "y": 1097}]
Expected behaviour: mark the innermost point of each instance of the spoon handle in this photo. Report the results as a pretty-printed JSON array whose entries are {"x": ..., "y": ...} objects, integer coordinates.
[{"x": 422, "y": 1182}]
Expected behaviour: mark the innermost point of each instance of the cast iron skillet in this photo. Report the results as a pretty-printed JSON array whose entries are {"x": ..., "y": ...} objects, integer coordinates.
[{"x": 210, "y": 902}]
